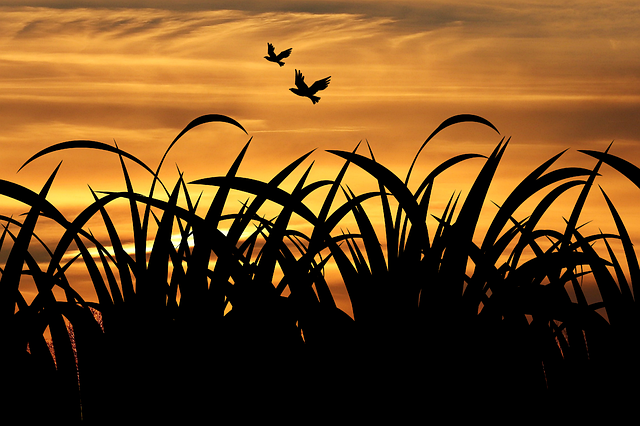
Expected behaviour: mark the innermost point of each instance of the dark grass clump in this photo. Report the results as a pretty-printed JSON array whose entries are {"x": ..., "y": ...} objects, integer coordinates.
[{"x": 243, "y": 323}]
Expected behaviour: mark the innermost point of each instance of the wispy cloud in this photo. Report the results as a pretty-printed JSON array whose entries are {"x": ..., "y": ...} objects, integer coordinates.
[{"x": 548, "y": 71}]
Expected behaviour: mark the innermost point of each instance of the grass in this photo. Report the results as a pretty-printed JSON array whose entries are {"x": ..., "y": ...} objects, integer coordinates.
[{"x": 248, "y": 315}]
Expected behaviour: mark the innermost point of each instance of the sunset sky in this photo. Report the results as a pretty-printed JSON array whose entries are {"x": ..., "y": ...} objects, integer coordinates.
[{"x": 549, "y": 75}]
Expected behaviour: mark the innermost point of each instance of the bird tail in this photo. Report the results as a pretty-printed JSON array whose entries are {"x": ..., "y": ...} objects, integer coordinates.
[
  {"x": 314, "y": 99},
  {"x": 280, "y": 63}
]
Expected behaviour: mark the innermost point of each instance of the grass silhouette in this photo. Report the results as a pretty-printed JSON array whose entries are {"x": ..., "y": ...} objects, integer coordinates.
[{"x": 207, "y": 326}]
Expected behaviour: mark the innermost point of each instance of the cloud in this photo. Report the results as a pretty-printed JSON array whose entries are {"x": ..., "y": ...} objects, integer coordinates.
[
  {"x": 392, "y": 64},
  {"x": 531, "y": 19}
]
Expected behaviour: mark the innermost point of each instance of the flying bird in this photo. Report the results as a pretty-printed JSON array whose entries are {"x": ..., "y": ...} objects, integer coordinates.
[
  {"x": 272, "y": 57},
  {"x": 302, "y": 89}
]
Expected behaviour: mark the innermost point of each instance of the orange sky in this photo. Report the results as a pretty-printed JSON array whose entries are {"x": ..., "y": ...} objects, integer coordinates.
[{"x": 552, "y": 76}]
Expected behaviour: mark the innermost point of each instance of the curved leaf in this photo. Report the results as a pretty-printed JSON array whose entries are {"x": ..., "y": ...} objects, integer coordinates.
[
  {"x": 387, "y": 178},
  {"x": 460, "y": 118},
  {"x": 629, "y": 170},
  {"x": 203, "y": 119},
  {"x": 101, "y": 146},
  {"x": 264, "y": 190},
  {"x": 10, "y": 280}
]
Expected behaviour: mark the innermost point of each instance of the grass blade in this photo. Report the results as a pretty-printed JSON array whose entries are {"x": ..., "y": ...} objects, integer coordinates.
[
  {"x": 10, "y": 279},
  {"x": 456, "y": 119},
  {"x": 100, "y": 146}
]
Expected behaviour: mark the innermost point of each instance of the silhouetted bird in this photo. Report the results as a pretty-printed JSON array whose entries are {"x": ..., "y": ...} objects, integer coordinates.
[
  {"x": 272, "y": 55},
  {"x": 304, "y": 90}
]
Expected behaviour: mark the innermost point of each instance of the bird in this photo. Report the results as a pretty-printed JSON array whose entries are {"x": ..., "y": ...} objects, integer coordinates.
[
  {"x": 272, "y": 54},
  {"x": 302, "y": 89}
]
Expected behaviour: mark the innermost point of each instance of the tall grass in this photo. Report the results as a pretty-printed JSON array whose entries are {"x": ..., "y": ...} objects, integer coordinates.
[{"x": 246, "y": 315}]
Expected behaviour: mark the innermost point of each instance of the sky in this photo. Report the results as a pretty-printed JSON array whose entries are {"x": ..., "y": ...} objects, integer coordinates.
[{"x": 551, "y": 76}]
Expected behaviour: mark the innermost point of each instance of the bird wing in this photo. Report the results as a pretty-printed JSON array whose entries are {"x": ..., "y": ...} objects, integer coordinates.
[
  {"x": 320, "y": 85},
  {"x": 271, "y": 50},
  {"x": 300, "y": 84},
  {"x": 284, "y": 54}
]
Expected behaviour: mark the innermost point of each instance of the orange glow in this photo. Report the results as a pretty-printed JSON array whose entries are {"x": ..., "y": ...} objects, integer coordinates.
[{"x": 549, "y": 76}]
